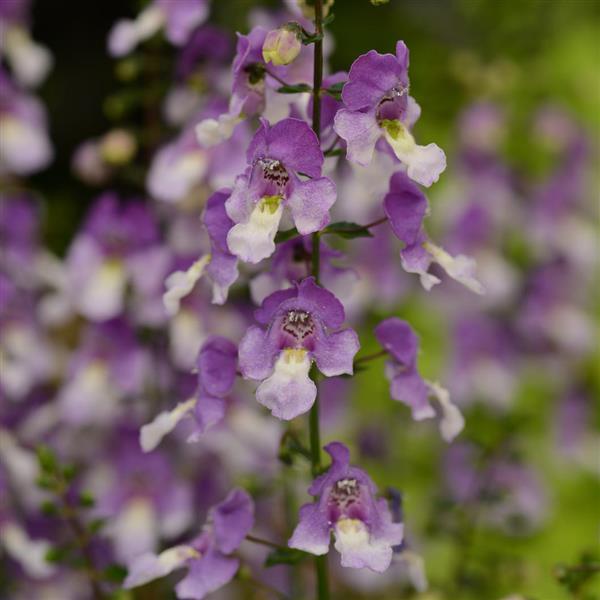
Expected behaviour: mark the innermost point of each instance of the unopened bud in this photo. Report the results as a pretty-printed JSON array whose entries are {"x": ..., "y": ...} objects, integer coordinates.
[
  {"x": 118, "y": 147},
  {"x": 282, "y": 45}
]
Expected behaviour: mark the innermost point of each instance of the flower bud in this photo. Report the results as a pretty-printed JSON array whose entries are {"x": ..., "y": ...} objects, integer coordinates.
[
  {"x": 118, "y": 147},
  {"x": 282, "y": 45}
]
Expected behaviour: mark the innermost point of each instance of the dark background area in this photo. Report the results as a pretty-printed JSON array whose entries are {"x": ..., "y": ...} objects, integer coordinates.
[{"x": 455, "y": 47}]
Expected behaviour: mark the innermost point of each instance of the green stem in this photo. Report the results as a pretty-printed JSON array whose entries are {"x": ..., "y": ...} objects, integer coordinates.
[{"x": 322, "y": 588}]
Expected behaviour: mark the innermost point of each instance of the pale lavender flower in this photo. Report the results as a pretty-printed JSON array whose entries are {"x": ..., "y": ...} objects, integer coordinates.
[
  {"x": 207, "y": 558},
  {"x": 378, "y": 105},
  {"x": 347, "y": 506},
  {"x": 301, "y": 328},
  {"x": 277, "y": 157}
]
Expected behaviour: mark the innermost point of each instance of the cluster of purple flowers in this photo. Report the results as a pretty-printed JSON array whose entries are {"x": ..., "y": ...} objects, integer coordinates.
[{"x": 214, "y": 285}]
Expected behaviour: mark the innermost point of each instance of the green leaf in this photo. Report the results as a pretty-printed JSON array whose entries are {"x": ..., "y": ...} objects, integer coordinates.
[
  {"x": 310, "y": 38},
  {"x": 294, "y": 89},
  {"x": 328, "y": 19},
  {"x": 115, "y": 573},
  {"x": 96, "y": 525},
  {"x": 335, "y": 90},
  {"x": 348, "y": 230},
  {"x": 335, "y": 152},
  {"x": 47, "y": 459},
  {"x": 57, "y": 554},
  {"x": 285, "y": 556},
  {"x": 86, "y": 499},
  {"x": 284, "y": 236},
  {"x": 48, "y": 508}
]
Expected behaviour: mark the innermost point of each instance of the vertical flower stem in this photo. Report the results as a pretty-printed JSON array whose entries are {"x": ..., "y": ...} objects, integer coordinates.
[{"x": 322, "y": 590}]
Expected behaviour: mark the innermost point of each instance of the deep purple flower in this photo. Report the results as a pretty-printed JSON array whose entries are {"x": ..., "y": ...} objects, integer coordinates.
[
  {"x": 216, "y": 366},
  {"x": 346, "y": 505},
  {"x": 276, "y": 156},
  {"x": 207, "y": 557},
  {"x": 299, "y": 323},
  {"x": 378, "y": 105},
  {"x": 407, "y": 385},
  {"x": 406, "y": 207}
]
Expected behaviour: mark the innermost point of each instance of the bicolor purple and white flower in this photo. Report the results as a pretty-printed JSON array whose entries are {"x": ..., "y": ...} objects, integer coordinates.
[
  {"x": 207, "y": 557},
  {"x": 115, "y": 248},
  {"x": 220, "y": 265},
  {"x": 291, "y": 262},
  {"x": 378, "y": 106},
  {"x": 406, "y": 207},
  {"x": 407, "y": 385},
  {"x": 24, "y": 144},
  {"x": 29, "y": 61},
  {"x": 302, "y": 327},
  {"x": 346, "y": 505},
  {"x": 276, "y": 157},
  {"x": 216, "y": 366},
  {"x": 179, "y": 20}
]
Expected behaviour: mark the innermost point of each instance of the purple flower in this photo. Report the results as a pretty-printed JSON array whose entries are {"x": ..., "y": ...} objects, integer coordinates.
[
  {"x": 216, "y": 365},
  {"x": 299, "y": 322},
  {"x": 406, "y": 207},
  {"x": 114, "y": 248},
  {"x": 207, "y": 557},
  {"x": 179, "y": 19},
  {"x": 220, "y": 265},
  {"x": 407, "y": 385},
  {"x": 291, "y": 262},
  {"x": 378, "y": 105},
  {"x": 276, "y": 156},
  {"x": 362, "y": 525},
  {"x": 24, "y": 144}
]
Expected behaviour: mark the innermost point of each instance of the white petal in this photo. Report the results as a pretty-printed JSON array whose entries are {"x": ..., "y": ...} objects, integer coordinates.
[
  {"x": 289, "y": 391},
  {"x": 180, "y": 283},
  {"x": 150, "y": 566},
  {"x": 452, "y": 421},
  {"x": 352, "y": 541},
  {"x": 30, "y": 554},
  {"x": 103, "y": 294},
  {"x": 187, "y": 332},
  {"x": 134, "y": 530},
  {"x": 31, "y": 62},
  {"x": 24, "y": 148},
  {"x": 461, "y": 268},
  {"x": 254, "y": 240},
  {"x": 424, "y": 163},
  {"x": 152, "y": 433},
  {"x": 415, "y": 566},
  {"x": 89, "y": 396},
  {"x": 211, "y": 132}
]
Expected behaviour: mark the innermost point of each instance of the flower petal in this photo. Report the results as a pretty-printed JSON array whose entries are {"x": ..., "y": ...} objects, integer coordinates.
[
  {"x": 289, "y": 391},
  {"x": 148, "y": 567},
  {"x": 257, "y": 354},
  {"x": 360, "y": 131},
  {"x": 254, "y": 240},
  {"x": 207, "y": 575},
  {"x": 152, "y": 433},
  {"x": 310, "y": 203},
  {"x": 180, "y": 283},
  {"x": 312, "y": 532},
  {"x": 334, "y": 353}
]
